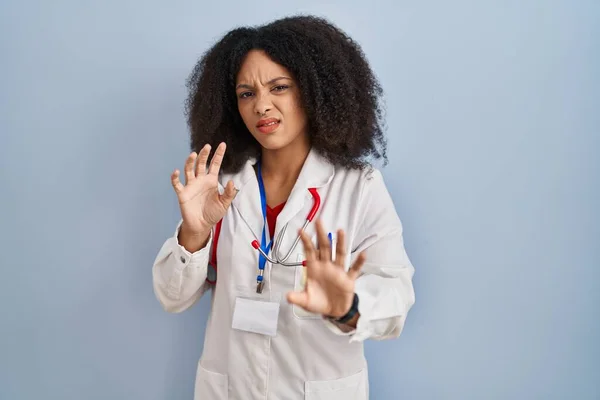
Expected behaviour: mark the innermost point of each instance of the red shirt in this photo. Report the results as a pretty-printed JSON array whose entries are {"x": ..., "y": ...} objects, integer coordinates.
[{"x": 272, "y": 214}]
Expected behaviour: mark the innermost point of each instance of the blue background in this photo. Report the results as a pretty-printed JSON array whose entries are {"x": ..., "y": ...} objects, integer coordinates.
[{"x": 494, "y": 132}]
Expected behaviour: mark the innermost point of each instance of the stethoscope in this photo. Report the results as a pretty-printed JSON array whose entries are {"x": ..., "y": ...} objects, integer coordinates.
[{"x": 263, "y": 248}]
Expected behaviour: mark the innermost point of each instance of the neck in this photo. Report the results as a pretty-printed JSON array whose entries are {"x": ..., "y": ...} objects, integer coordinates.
[{"x": 284, "y": 165}]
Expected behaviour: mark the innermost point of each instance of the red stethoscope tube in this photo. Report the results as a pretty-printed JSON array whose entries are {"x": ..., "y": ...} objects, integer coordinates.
[{"x": 277, "y": 243}]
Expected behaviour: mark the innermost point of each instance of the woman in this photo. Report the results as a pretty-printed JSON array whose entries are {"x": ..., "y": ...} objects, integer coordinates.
[{"x": 297, "y": 106}]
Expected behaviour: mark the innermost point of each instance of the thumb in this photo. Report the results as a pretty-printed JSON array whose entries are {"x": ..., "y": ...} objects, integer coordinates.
[
  {"x": 298, "y": 298},
  {"x": 229, "y": 194}
]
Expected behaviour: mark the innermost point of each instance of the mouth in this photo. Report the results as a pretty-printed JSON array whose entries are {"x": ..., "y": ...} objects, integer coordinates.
[{"x": 268, "y": 125}]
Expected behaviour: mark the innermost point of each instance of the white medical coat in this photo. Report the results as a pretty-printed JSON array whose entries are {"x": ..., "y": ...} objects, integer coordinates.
[{"x": 310, "y": 357}]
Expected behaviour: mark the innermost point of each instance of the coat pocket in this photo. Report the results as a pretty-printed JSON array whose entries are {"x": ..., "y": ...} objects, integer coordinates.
[
  {"x": 353, "y": 387},
  {"x": 210, "y": 385}
]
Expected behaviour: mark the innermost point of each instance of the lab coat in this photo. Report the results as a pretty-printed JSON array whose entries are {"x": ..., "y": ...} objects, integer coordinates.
[{"x": 309, "y": 357}]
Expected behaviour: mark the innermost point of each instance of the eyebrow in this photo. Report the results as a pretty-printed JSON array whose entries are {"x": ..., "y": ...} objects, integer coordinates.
[{"x": 242, "y": 85}]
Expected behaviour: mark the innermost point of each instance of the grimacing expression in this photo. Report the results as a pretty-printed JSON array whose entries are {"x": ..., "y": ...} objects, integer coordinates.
[{"x": 269, "y": 102}]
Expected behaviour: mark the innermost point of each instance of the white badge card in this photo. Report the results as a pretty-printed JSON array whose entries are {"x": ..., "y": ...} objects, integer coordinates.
[{"x": 256, "y": 316}]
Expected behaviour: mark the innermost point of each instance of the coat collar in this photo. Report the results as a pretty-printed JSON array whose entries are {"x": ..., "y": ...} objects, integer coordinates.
[{"x": 316, "y": 172}]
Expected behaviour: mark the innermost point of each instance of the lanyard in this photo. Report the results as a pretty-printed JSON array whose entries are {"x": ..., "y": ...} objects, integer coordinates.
[{"x": 263, "y": 243}]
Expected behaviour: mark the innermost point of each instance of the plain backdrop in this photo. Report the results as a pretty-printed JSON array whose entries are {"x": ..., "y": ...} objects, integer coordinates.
[{"x": 493, "y": 129}]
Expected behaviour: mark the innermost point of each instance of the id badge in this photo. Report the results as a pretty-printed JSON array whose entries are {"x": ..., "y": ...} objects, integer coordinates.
[{"x": 256, "y": 316}]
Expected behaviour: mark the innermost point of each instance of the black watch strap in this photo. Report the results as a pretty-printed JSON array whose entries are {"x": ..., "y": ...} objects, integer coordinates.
[{"x": 351, "y": 313}]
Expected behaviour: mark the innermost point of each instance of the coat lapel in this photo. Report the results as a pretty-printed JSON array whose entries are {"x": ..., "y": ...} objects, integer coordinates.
[
  {"x": 247, "y": 201},
  {"x": 316, "y": 173}
]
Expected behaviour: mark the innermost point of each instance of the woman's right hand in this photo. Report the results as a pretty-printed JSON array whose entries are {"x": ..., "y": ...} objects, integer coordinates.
[{"x": 201, "y": 204}]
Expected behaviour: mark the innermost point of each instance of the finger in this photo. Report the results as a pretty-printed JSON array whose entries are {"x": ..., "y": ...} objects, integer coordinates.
[
  {"x": 309, "y": 250},
  {"x": 354, "y": 271},
  {"x": 189, "y": 167},
  {"x": 298, "y": 298},
  {"x": 215, "y": 164},
  {"x": 202, "y": 159},
  {"x": 176, "y": 182},
  {"x": 340, "y": 249},
  {"x": 229, "y": 194},
  {"x": 323, "y": 242}
]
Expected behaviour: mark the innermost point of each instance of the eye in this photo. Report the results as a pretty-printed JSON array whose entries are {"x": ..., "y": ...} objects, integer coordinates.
[
  {"x": 280, "y": 88},
  {"x": 244, "y": 95}
]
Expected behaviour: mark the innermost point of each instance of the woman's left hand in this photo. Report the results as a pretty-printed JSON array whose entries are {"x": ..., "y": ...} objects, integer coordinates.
[{"x": 329, "y": 289}]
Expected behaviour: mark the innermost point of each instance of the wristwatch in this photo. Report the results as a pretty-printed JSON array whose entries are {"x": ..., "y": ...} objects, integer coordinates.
[{"x": 350, "y": 314}]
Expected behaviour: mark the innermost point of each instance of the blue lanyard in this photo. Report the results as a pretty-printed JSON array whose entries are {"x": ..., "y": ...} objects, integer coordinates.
[{"x": 263, "y": 202}]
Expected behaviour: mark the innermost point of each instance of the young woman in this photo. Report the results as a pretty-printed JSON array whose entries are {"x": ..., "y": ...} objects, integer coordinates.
[{"x": 287, "y": 221}]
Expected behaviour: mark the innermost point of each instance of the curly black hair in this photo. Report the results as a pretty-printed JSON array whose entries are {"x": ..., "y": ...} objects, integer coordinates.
[{"x": 340, "y": 93}]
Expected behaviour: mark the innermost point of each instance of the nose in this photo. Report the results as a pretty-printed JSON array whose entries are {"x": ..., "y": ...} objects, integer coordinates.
[
  {"x": 263, "y": 113},
  {"x": 263, "y": 105}
]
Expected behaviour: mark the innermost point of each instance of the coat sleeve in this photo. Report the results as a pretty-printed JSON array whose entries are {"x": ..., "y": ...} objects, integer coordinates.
[
  {"x": 178, "y": 276},
  {"x": 384, "y": 288}
]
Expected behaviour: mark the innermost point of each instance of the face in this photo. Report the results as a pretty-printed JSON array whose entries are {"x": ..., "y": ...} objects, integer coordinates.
[{"x": 269, "y": 102}]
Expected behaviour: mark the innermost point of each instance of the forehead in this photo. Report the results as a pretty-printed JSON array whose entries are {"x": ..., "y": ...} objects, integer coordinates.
[{"x": 258, "y": 66}]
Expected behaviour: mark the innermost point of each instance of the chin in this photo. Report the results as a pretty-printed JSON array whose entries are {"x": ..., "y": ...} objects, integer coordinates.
[
  {"x": 274, "y": 146},
  {"x": 271, "y": 142}
]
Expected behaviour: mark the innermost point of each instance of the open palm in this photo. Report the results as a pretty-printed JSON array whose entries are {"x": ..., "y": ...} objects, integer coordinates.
[
  {"x": 329, "y": 289},
  {"x": 201, "y": 204}
]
